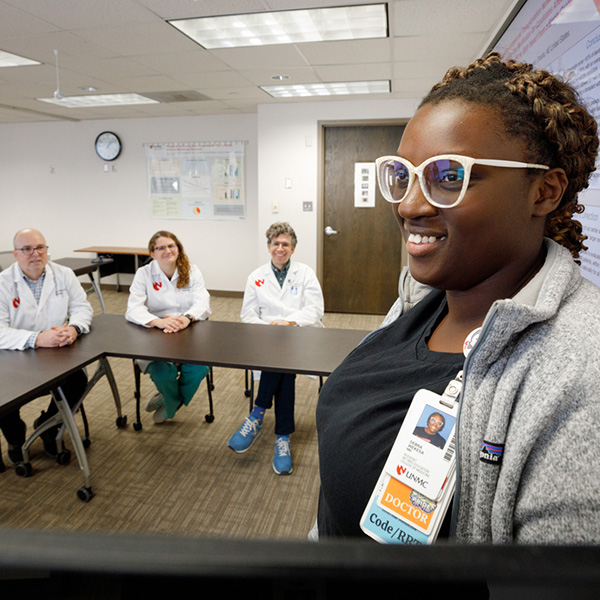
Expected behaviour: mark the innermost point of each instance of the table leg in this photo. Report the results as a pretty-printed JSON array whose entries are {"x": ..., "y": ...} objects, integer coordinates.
[
  {"x": 103, "y": 369},
  {"x": 84, "y": 493},
  {"x": 96, "y": 288}
]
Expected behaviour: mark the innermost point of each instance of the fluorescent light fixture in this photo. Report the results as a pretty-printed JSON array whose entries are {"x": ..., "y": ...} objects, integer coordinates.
[
  {"x": 287, "y": 27},
  {"x": 327, "y": 89},
  {"x": 12, "y": 60},
  {"x": 99, "y": 100}
]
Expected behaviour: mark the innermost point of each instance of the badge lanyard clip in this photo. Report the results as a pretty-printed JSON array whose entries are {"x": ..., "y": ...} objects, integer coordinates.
[{"x": 452, "y": 391}]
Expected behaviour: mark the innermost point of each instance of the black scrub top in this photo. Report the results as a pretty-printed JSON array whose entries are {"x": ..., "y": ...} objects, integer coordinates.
[{"x": 362, "y": 405}]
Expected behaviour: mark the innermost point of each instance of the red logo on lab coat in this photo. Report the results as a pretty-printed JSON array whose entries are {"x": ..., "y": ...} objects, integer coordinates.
[
  {"x": 156, "y": 285},
  {"x": 16, "y": 302},
  {"x": 259, "y": 282}
]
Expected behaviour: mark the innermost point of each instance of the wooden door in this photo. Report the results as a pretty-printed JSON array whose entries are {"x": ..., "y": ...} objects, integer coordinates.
[{"x": 362, "y": 260}]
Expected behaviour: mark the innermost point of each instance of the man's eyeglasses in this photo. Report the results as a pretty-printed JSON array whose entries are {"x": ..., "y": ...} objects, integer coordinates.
[
  {"x": 443, "y": 179},
  {"x": 29, "y": 250},
  {"x": 170, "y": 247}
]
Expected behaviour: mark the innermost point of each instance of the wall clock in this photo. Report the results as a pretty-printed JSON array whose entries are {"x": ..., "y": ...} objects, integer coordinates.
[{"x": 108, "y": 145}]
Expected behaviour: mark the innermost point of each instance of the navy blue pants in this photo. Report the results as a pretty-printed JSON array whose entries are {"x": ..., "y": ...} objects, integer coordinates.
[{"x": 282, "y": 388}]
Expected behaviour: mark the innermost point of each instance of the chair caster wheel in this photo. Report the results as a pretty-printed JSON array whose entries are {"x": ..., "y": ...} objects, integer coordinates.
[
  {"x": 137, "y": 426},
  {"x": 64, "y": 457},
  {"x": 212, "y": 387},
  {"x": 247, "y": 393},
  {"x": 85, "y": 494},
  {"x": 122, "y": 422},
  {"x": 209, "y": 418},
  {"x": 24, "y": 470},
  {"x": 86, "y": 443}
]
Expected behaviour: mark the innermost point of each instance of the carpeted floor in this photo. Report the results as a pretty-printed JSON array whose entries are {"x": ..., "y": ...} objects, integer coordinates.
[{"x": 178, "y": 477}]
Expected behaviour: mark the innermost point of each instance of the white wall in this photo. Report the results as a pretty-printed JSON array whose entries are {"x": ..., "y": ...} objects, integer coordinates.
[
  {"x": 79, "y": 205},
  {"x": 283, "y": 130}
]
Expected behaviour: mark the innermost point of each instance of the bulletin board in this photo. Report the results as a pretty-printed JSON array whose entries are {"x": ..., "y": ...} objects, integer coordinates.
[{"x": 196, "y": 180}]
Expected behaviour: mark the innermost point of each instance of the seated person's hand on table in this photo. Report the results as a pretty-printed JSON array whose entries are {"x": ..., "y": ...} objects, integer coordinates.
[
  {"x": 58, "y": 336},
  {"x": 282, "y": 323},
  {"x": 170, "y": 323}
]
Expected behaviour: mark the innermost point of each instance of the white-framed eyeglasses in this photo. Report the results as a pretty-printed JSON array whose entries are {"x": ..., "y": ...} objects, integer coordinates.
[{"x": 443, "y": 179}]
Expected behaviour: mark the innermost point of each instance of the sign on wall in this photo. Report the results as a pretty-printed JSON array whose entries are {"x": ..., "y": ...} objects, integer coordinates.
[
  {"x": 196, "y": 180},
  {"x": 364, "y": 185}
]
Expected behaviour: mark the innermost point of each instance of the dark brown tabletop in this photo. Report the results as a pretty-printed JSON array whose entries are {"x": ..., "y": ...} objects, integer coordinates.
[
  {"x": 303, "y": 350},
  {"x": 83, "y": 266},
  {"x": 25, "y": 374},
  {"x": 115, "y": 250}
]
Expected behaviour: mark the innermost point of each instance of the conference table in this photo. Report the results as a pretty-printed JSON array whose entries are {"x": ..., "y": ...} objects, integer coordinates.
[
  {"x": 115, "y": 252},
  {"x": 87, "y": 266},
  {"x": 302, "y": 350}
]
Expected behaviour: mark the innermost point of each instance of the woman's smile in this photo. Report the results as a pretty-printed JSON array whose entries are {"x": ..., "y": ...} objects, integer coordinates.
[
  {"x": 419, "y": 244},
  {"x": 491, "y": 234}
]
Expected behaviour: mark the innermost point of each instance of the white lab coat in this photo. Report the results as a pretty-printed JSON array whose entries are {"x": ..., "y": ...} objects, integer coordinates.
[
  {"x": 63, "y": 301},
  {"x": 152, "y": 294},
  {"x": 300, "y": 299}
]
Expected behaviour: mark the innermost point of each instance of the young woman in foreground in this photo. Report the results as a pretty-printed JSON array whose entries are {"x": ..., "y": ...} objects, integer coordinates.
[{"x": 493, "y": 246}]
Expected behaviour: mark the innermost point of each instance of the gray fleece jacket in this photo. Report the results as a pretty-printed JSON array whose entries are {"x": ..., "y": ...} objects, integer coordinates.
[{"x": 532, "y": 389}]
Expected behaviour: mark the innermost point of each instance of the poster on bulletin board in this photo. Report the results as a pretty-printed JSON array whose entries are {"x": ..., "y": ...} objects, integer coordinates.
[{"x": 196, "y": 180}]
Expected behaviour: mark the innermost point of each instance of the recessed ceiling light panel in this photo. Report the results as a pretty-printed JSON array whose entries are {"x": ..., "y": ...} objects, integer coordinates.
[
  {"x": 99, "y": 100},
  {"x": 287, "y": 27},
  {"x": 341, "y": 88},
  {"x": 12, "y": 60}
]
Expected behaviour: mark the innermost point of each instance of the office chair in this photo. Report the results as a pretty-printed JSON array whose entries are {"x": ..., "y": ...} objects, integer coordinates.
[
  {"x": 137, "y": 372},
  {"x": 64, "y": 418}
]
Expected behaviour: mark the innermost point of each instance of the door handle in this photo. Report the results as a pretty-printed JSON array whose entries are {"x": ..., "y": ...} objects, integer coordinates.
[{"x": 330, "y": 230}]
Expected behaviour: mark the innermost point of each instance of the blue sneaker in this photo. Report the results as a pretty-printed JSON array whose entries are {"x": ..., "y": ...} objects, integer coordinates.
[
  {"x": 282, "y": 458},
  {"x": 244, "y": 437}
]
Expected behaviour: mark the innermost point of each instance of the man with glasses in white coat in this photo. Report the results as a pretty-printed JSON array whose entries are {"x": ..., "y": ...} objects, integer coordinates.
[
  {"x": 42, "y": 305},
  {"x": 281, "y": 292}
]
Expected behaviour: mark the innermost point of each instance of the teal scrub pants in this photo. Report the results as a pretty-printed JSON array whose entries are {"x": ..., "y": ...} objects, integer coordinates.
[{"x": 177, "y": 383}]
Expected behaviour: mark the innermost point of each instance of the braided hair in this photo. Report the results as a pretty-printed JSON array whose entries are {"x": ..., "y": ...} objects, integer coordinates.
[
  {"x": 546, "y": 113},
  {"x": 182, "y": 263}
]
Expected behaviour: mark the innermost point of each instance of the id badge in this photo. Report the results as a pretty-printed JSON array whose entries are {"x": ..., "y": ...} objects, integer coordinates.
[
  {"x": 416, "y": 485},
  {"x": 386, "y": 527},
  {"x": 423, "y": 452},
  {"x": 395, "y": 514}
]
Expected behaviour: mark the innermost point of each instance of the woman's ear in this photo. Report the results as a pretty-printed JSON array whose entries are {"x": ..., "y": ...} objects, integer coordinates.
[{"x": 549, "y": 191}]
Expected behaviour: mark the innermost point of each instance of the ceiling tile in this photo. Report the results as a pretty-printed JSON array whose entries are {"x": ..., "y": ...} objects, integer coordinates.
[{"x": 128, "y": 46}]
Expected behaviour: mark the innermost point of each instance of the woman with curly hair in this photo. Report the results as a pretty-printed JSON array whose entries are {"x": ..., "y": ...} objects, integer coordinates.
[
  {"x": 484, "y": 189},
  {"x": 169, "y": 294}
]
